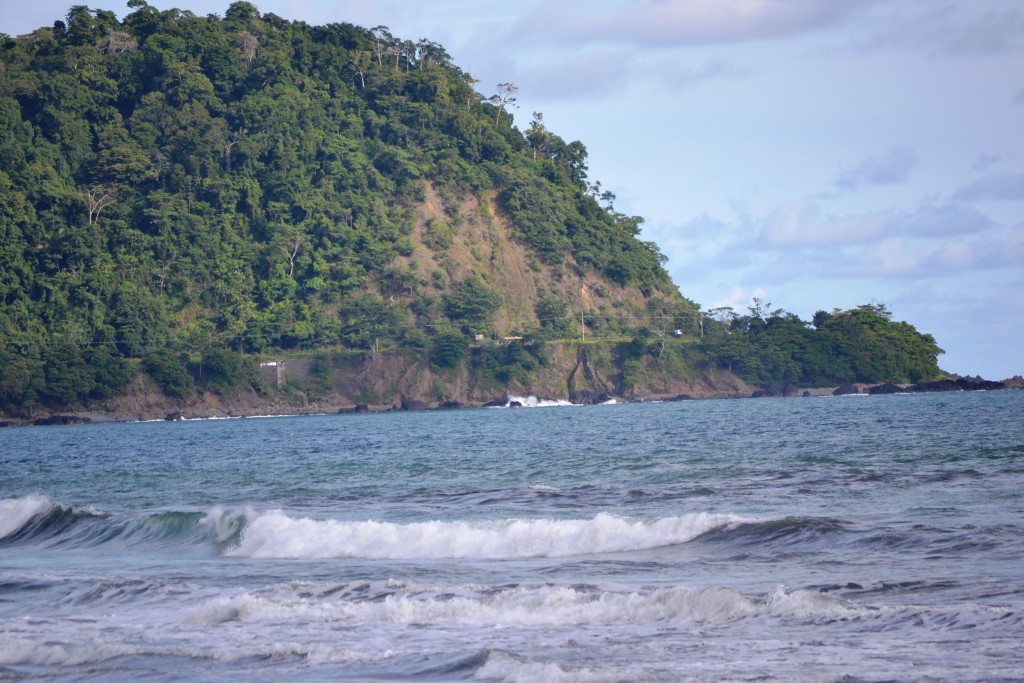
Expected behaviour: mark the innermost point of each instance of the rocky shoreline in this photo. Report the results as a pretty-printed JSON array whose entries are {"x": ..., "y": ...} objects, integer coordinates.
[{"x": 249, "y": 405}]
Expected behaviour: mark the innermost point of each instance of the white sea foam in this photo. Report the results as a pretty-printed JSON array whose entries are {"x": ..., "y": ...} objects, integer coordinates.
[
  {"x": 534, "y": 402},
  {"x": 506, "y": 668},
  {"x": 18, "y": 650},
  {"x": 17, "y": 512},
  {"x": 525, "y": 606},
  {"x": 275, "y": 535}
]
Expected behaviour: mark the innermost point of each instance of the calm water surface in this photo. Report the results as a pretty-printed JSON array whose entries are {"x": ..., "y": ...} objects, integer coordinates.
[{"x": 829, "y": 539}]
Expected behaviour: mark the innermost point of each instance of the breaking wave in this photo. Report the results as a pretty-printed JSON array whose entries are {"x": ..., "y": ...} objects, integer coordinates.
[
  {"x": 275, "y": 535},
  {"x": 38, "y": 520}
]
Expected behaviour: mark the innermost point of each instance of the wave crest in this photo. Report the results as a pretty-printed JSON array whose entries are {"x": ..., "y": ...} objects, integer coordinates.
[
  {"x": 15, "y": 513},
  {"x": 275, "y": 535}
]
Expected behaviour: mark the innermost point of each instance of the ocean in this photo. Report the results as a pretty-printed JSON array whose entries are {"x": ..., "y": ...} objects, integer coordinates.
[{"x": 851, "y": 538}]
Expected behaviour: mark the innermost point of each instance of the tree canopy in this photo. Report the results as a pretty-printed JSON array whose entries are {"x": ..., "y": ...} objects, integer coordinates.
[{"x": 862, "y": 344}]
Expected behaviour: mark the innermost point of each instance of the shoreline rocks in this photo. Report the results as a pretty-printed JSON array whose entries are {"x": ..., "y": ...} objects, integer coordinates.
[{"x": 83, "y": 417}]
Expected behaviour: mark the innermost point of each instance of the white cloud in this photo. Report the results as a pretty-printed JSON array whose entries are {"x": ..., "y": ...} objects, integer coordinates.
[
  {"x": 981, "y": 27},
  {"x": 737, "y": 299},
  {"x": 603, "y": 73},
  {"x": 682, "y": 22},
  {"x": 893, "y": 166},
  {"x": 803, "y": 224},
  {"x": 998, "y": 186},
  {"x": 903, "y": 257}
]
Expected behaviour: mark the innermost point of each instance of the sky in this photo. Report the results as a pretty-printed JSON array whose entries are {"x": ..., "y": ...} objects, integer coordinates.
[{"x": 816, "y": 154}]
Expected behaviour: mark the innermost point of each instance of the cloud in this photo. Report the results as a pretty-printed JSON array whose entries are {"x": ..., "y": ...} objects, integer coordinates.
[
  {"x": 892, "y": 167},
  {"x": 942, "y": 220},
  {"x": 599, "y": 73},
  {"x": 802, "y": 224},
  {"x": 976, "y": 325},
  {"x": 672, "y": 23},
  {"x": 594, "y": 73},
  {"x": 984, "y": 161},
  {"x": 737, "y": 299},
  {"x": 907, "y": 258},
  {"x": 997, "y": 186},
  {"x": 677, "y": 76},
  {"x": 981, "y": 27},
  {"x": 935, "y": 239}
]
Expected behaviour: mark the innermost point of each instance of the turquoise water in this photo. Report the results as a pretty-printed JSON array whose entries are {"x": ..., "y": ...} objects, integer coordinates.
[{"x": 855, "y": 538}]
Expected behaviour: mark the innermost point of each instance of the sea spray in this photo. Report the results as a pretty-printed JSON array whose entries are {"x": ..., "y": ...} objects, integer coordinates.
[{"x": 15, "y": 513}]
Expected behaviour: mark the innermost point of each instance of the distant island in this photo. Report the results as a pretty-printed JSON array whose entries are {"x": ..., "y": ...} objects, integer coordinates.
[{"x": 246, "y": 214}]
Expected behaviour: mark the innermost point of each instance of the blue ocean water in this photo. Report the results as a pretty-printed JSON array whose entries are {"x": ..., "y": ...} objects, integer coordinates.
[{"x": 820, "y": 539}]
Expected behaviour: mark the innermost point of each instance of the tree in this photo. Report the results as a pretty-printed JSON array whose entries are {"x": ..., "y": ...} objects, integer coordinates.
[
  {"x": 382, "y": 40},
  {"x": 537, "y": 135},
  {"x": 81, "y": 27},
  {"x": 230, "y": 141},
  {"x": 359, "y": 62},
  {"x": 117, "y": 42},
  {"x": 96, "y": 198},
  {"x": 247, "y": 45},
  {"x": 168, "y": 371},
  {"x": 472, "y": 301},
  {"x": 447, "y": 348},
  {"x": 506, "y": 97},
  {"x": 241, "y": 12}
]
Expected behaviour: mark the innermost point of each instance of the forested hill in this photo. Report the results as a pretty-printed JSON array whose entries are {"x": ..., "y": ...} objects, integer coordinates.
[
  {"x": 179, "y": 182},
  {"x": 178, "y": 193}
]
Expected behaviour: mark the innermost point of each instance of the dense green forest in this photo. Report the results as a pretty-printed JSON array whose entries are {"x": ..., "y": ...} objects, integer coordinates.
[
  {"x": 179, "y": 193},
  {"x": 859, "y": 345}
]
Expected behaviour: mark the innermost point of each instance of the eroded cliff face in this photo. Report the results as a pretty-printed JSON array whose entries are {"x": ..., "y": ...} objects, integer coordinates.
[
  {"x": 386, "y": 381},
  {"x": 471, "y": 236}
]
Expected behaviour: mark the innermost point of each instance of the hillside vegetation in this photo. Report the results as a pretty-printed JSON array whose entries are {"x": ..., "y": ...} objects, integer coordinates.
[{"x": 180, "y": 194}]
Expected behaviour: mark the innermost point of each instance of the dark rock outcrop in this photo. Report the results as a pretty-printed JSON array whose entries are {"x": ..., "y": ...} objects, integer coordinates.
[
  {"x": 589, "y": 397},
  {"x": 61, "y": 420},
  {"x": 496, "y": 403},
  {"x": 887, "y": 388},
  {"x": 356, "y": 409},
  {"x": 413, "y": 404},
  {"x": 846, "y": 390},
  {"x": 777, "y": 391},
  {"x": 959, "y": 384}
]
